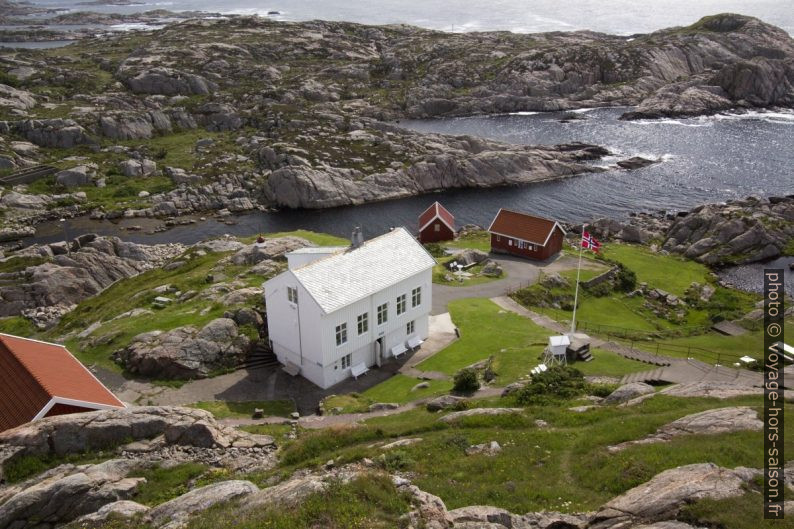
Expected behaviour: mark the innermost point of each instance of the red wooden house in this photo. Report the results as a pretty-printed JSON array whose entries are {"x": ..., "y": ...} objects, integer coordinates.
[
  {"x": 525, "y": 235},
  {"x": 436, "y": 224},
  {"x": 40, "y": 379}
]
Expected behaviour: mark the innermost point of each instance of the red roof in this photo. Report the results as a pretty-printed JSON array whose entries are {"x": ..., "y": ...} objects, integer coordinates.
[
  {"x": 35, "y": 375},
  {"x": 436, "y": 211},
  {"x": 529, "y": 228}
]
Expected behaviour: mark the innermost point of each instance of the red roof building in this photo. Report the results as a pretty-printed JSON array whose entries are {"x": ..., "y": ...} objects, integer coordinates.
[
  {"x": 436, "y": 224},
  {"x": 525, "y": 235},
  {"x": 40, "y": 379}
]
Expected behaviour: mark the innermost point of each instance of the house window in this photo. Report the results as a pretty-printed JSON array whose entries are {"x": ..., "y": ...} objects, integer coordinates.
[
  {"x": 410, "y": 327},
  {"x": 437, "y": 228},
  {"x": 400, "y": 304},
  {"x": 510, "y": 242},
  {"x": 346, "y": 360},
  {"x": 363, "y": 323},
  {"x": 341, "y": 334},
  {"x": 292, "y": 295},
  {"x": 498, "y": 238},
  {"x": 383, "y": 313},
  {"x": 416, "y": 297}
]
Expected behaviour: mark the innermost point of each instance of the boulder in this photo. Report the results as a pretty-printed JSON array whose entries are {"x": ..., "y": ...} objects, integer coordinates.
[
  {"x": 175, "y": 512},
  {"x": 454, "y": 416},
  {"x": 76, "y": 176},
  {"x": 488, "y": 449},
  {"x": 627, "y": 392},
  {"x": 662, "y": 497},
  {"x": 17, "y": 200},
  {"x": 709, "y": 422},
  {"x": 168, "y": 81},
  {"x": 185, "y": 352},
  {"x": 471, "y": 257},
  {"x": 67, "y": 493},
  {"x": 717, "y": 390},
  {"x": 137, "y": 168},
  {"x": 445, "y": 402},
  {"x": 53, "y": 133},
  {"x": 383, "y": 406},
  {"x": 270, "y": 249},
  {"x": 122, "y": 509}
]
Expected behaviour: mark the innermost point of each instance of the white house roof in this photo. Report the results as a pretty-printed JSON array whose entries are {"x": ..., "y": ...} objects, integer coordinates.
[
  {"x": 311, "y": 250},
  {"x": 346, "y": 277},
  {"x": 556, "y": 341}
]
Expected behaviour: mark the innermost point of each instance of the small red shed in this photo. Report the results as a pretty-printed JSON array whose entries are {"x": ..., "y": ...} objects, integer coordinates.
[
  {"x": 40, "y": 379},
  {"x": 436, "y": 224},
  {"x": 525, "y": 235}
]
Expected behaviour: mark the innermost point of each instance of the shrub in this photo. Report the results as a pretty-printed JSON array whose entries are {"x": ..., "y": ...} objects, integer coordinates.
[
  {"x": 395, "y": 460},
  {"x": 602, "y": 390},
  {"x": 558, "y": 383},
  {"x": 625, "y": 280},
  {"x": 435, "y": 249},
  {"x": 466, "y": 381}
]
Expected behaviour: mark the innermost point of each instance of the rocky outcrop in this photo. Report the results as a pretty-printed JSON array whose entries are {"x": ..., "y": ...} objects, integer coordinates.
[
  {"x": 54, "y": 133},
  {"x": 270, "y": 249},
  {"x": 118, "y": 510},
  {"x": 460, "y": 163},
  {"x": 457, "y": 415},
  {"x": 734, "y": 233},
  {"x": 76, "y": 176},
  {"x": 166, "y": 81},
  {"x": 662, "y": 497},
  {"x": 15, "y": 99},
  {"x": 709, "y": 422},
  {"x": 175, "y": 513},
  {"x": 445, "y": 402},
  {"x": 145, "y": 432},
  {"x": 66, "y": 279},
  {"x": 628, "y": 392},
  {"x": 185, "y": 352},
  {"x": 67, "y": 492}
]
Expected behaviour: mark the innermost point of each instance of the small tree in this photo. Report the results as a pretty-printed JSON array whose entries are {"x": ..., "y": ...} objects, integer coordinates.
[{"x": 466, "y": 381}]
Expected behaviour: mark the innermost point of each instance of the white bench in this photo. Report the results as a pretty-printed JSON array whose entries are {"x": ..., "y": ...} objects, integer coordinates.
[
  {"x": 415, "y": 342},
  {"x": 398, "y": 350},
  {"x": 540, "y": 369},
  {"x": 358, "y": 370},
  {"x": 291, "y": 368}
]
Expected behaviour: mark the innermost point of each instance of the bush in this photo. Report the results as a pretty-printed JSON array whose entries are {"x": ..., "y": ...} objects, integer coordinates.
[
  {"x": 558, "y": 383},
  {"x": 625, "y": 280},
  {"x": 395, "y": 460},
  {"x": 435, "y": 249},
  {"x": 466, "y": 381},
  {"x": 602, "y": 390}
]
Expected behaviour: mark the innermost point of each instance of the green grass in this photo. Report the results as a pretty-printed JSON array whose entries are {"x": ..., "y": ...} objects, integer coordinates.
[
  {"x": 277, "y": 431},
  {"x": 514, "y": 341},
  {"x": 395, "y": 389},
  {"x": 223, "y": 409},
  {"x": 440, "y": 272},
  {"x": 538, "y": 468},
  {"x": 24, "y": 467},
  {"x": 320, "y": 239},
  {"x": 476, "y": 240},
  {"x": 607, "y": 363},
  {"x": 18, "y": 326},
  {"x": 164, "y": 483},
  {"x": 667, "y": 272},
  {"x": 17, "y": 264},
  {"x": 370, "y": 501}
]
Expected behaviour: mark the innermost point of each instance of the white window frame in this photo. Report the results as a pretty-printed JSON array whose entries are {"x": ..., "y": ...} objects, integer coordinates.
[
  {"x": 416, "y": 297},
  {"x": 383, "y": 313},
  {"x": 402, "y": 305},
  {"x": 341, "y": 334},
  {"x": 437, "y": 227},
  {"x": 347, "y": 360},
  {"x": 362, "y": 323},
  {"x": 292, "y": 295},
  {"x": 410, "y": 327}
]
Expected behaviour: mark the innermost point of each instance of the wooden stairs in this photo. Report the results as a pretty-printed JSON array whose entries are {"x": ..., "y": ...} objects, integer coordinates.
[
  {"x": 260, "y": 357},
  {"x": 27, "y": 175}
]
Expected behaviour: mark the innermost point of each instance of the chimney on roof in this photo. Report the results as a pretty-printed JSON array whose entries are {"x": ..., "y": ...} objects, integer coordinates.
[{"x": 357, "y": 238}]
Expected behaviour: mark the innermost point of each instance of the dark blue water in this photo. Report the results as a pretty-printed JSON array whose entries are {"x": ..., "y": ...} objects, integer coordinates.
[{"x": 703, "y": 160}]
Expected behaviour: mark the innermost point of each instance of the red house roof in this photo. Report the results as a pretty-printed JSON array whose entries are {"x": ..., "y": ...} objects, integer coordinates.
[
  {"x": 35, "y": 376},
  {"x": 529, "y": 228},
  {"x": 436, "y": 211}
]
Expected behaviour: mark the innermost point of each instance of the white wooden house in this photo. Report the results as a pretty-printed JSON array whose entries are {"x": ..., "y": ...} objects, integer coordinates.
[{"x": 334, "y": 314}]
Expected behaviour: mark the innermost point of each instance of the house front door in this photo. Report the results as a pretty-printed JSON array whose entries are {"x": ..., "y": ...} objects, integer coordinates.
[{"x": 379, "y": 352}]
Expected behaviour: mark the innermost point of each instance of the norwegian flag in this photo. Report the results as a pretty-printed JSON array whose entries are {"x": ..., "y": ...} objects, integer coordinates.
[{"x": 589, "y": 242}]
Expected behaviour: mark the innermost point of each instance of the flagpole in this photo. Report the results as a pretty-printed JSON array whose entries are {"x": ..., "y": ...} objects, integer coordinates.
[{"x": 578, "y": 272}]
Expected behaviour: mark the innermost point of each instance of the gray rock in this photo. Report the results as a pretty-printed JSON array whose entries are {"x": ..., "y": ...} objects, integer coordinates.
[
  {"x": 14, "y": 199},
  {"x": 76, "y": 176},
  {"x": 177, "y": 511},
  {"x": 487, "y": 449},
  {"x": 627, "y": 392},
  {"x": 662, "y": 497},
  {"x": 454, "y": 416},
  {"x": 122, "y": 509},
  {"x": 445, "y": 402},
  {"x": 185, "y": 352},
  {"x": 270, "y": 249},
  {"x": 54, "y": 133},
  {"x": 168, "y": 81},
  {"x": 138, "y": 168},
  {"x": 382, "y": 406}
]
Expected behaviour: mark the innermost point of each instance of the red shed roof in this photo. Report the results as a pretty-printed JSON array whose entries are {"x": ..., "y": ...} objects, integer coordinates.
[
  {"x": 35, "y": 376},
  {"x": 436, "y": 211},
  {"x": 529, "y": 228}
]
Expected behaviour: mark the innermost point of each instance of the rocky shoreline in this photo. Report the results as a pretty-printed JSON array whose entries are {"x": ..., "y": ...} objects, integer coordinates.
[{"x": 226, "y": 115}]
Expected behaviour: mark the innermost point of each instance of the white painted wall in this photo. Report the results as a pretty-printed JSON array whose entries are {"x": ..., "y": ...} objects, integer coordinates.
[{"x": 314, "y": 348}]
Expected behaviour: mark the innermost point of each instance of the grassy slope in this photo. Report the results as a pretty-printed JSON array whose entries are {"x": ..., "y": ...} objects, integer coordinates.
[
  {"x": 395, "y": 389},
  {"x": 243, "y": 410}
]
